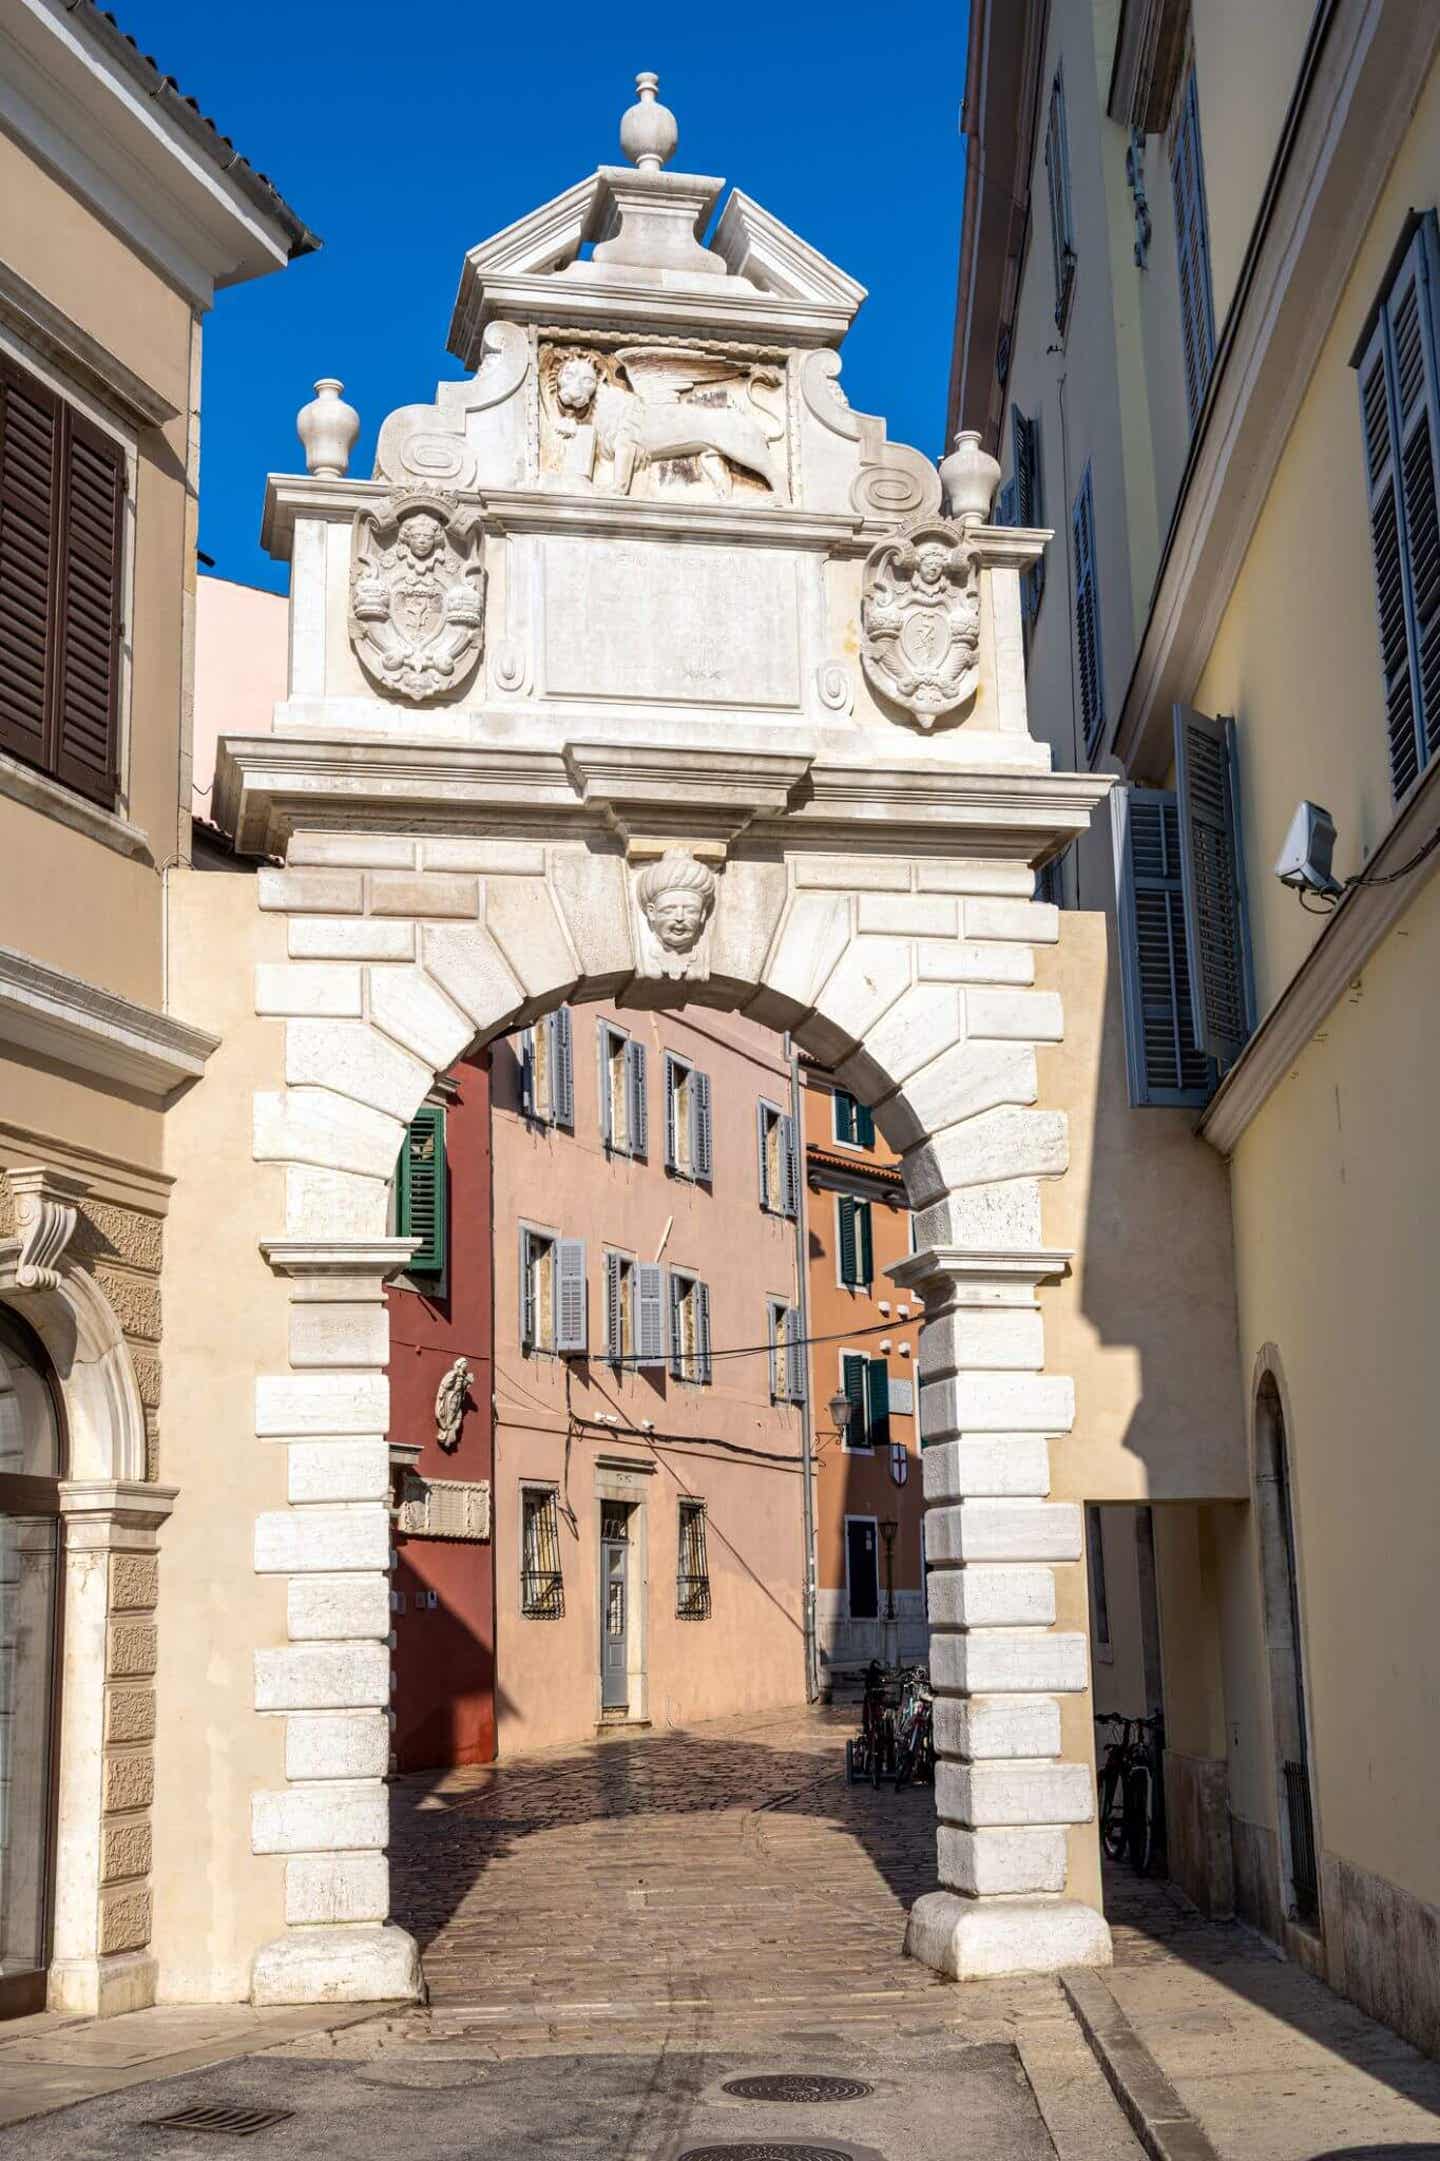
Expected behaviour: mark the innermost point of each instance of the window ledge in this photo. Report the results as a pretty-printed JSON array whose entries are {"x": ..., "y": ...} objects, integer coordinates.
[{"x": 38, "y": 792}]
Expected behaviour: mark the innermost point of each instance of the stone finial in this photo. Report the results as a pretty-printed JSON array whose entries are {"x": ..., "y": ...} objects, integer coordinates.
[
  {"x": 327, "y": 426},
  {"x": 969, "y": 477},
  {"x": 648, "y": 131}
]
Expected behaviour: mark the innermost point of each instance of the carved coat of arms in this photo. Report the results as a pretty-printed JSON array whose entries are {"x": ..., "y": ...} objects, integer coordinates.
[
  {"x": 920, "y": 621},
  {"x": 417, "y": 594}
]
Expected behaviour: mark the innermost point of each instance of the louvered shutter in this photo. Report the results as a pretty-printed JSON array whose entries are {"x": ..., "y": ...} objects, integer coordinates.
[
  {"x": 1400, "y": 413},
  {"x": 1005, "y": 505},
  {"x": 763, "y": 1116},
  {"x": 527, "y": 1074},
  {"x": 1057, "y": 173},
  {"x": 849, "y": 1256},
  {"x": 1164, "y": 1062},
  {"x": 852, "y": 1381},
  {"x": 1029, "y": 505},
  {"x": 1212, "y": 875},
  {"x": 570, "y": 1300},
  {"x": 790, "y": 1166},
  {"x": 649, "y": 1314},
  {"x": 776, "y": 1318},
  {"x": 865, "y": 1257},
  {"x": 677, "y": 1332},
  {"x": 606, "y": 1044},
  {"x": 877, "y": 1402},
  {"x": 614, "y": 1321},
  {"x": 88, "y": 611},
  {"x": 845, "y": 1108},
  {"x": 701, "y": 1295},
  {"x": 29, "y": 511},
  {"x": 420, "y": 1190},
  {"x": 672, "y": 1119},
  {"x": 864, "y": 1126},
  {"x": 637, "y": 1096},
  {"x": 562, "y": 1067},
  {"x": 1087, "y": 619},
  {"x": 529, "y": 1316},
  {"x": 701, "y": 1147},
  {"x": 1192, "y": 240},
  {"x": 794, "y": 1356}
]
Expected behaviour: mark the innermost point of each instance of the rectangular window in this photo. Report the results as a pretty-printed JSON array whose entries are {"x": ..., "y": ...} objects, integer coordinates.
[
  {"x": 620, "y": 1309},
  {"x": 688, "y": 1147},
  {"x": 1400, "y": 422},
  {"x": 553, "y": 1303},
  {"x": 542, "y": 1586},
  {"x": 779, "y": 1157},
  {"x": 853, "y": 1242},
  {"x": 1029, "y": 504},
  {"x": 689, "y": 1328},
  {"x": 854, "y": 1124},
  {"x": 1087, "y": 619},
  {"x": 624, "y": 1098},
  {"x": 692, "y": 1570},
  {"x": 1192, "y": 240},
  {"x": 787, "y": 1353},
  {"x": 62, "y": 504},
  {"x": 866, "y": 1383},
  {"x": 420, "y": 1195},
  {"x": 547, "y": 1070},
  {"x": 1062, "y": 231}
]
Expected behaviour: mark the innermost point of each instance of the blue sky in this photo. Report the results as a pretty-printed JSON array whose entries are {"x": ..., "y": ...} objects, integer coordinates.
[{"x": 405, "y": 134}]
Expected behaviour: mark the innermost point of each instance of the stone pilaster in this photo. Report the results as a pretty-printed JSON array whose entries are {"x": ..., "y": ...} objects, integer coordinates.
[
  {"x": 1004, "y": 1797},
  {"x": 331, "y": 1680}
]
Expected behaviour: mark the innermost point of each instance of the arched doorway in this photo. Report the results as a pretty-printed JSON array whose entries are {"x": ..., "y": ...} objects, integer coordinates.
[
  {"x": 31, "y": 1461},
  {"x": 1299, "y": 1872}
]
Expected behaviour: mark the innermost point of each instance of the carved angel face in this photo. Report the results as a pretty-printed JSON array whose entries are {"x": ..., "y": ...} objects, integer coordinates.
[
  {"x": 422, "y": 535},
  {"x": 930, "y": 561},
  {"x": 677, "y": 919},
  {"x": 576, "y": 384}
]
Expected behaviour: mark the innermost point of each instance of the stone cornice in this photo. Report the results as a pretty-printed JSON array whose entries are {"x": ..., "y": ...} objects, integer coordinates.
[
  {"x": 714, "y": 307},
  {"x": 22, "y": 784},
  {"x": 79, "y": 355},
  {"x": 267, "y": 786},
  {"x": 96, "y": 1031},
  {"x": 337, "y": 1256},
  {"x": 1347, "y": 118},
  {"x": 1359, "y": 923},
  {"x": 964, "y": 1275}
]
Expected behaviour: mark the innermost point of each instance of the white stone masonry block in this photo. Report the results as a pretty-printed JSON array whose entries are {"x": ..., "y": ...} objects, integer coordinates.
[
  {"x": 326, "y": 937},
  {"x": 337, "y": 1744},
  {"x": 983, "y": 1795},
  {"x": 997, "y": 1403},
  {"x": 355, "y": 851},
  {"x": 355, "y": 1060},
  {"x": 1005, "y": 1338},
  {"x": 975, "y": 875},
  {"x": 323, "y": 1203},
  {"x": 334, "y": 1887},
  {"x": 871, "y": 974},
  {"x": 314, "y": 1125},
  {"x": 911, "y": 915},
  {"x": 964, "y": 1081},
  {"x": 1031, "y": 922},
  {"x": 850, "y": 874},
  {"x": 323, "y": 1677},
  {"x": 1007, "y": 1662},
  {"x": 338, "y": 1470},
  {"x": 1025, "y": 1016},
  {"x": 522, "y": 918},
  {"x": 965, "y": 961},
  {"x": 980, "y": 1729},
  {"x": 502, "y": 858},
  {"x": 471, "y": 969},
  {"x": 324, "y": 1608},
  {"x": 306, "y": 1403},
  {"x": 339, "y": 1334},
  {"x": 409, "y": 1008},
  {"x": 991, "y": 1597},
  {"x": 814, "y": 934},
  {"x": 1002, "y": 1144},
  {"x": 311, "y": 892},
  {"x": 994, "y": 1465},
  {"x": 324, "y": 989},
  {"x": 924, "y": 1022},
  {"x": 1001, "y": 1863},
  {"x": 322, "y": 1541},
  {"x": 1003, "y": 1530},
  {"x": 989, "y": 1217},
  {"x": 321, "y": 1818},
  {"x": 407, "y": 893}
]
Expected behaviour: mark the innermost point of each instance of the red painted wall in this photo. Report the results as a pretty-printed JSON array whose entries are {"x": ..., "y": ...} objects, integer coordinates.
[{"x": 445, "y": 1655}]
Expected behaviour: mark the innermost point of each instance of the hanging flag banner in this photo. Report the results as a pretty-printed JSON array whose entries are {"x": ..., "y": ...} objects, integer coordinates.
[{"x": 899, "y": 1462}]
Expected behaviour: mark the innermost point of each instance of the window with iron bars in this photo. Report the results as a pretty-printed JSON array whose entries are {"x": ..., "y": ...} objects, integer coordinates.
[
  {"x": 692, "y": 1573},
  {"x": 542, "y": 1586}
]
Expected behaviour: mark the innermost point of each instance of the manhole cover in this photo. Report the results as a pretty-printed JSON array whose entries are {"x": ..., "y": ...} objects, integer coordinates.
[
  {"x": 230, "y": 2119},
  {"x": 797, "y": 2086},
  {"x": 765, "y": 2150}
]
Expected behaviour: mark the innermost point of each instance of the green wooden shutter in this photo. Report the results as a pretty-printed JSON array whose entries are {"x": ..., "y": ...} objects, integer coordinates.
[
  {"x": 1165, "y": 1064},
  {"x": 866, "y": 1255},
  {"x": 420, "y": 1190},
  {"x": 845, "y": 1108},
  {"x": 846, "y": 1206},
  {"x": 1088, "y": 656},
  {"x": 1192, "y": 240},
  {"x": 864, "y": 1126},
  {"x": 852, "y": 1381},
  {"x": 1212, "y": 876},
  {"x": 877, "y": 1402}
]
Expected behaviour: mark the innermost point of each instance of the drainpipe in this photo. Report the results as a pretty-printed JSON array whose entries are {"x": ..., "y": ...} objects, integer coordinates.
[{"x": 807, "y": 1428}]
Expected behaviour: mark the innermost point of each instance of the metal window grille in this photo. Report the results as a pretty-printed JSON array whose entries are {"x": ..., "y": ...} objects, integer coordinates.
[
  {"x": 542, "y": 1586},
  {"x": 692, "y": 1579},
  {"x": 1304, "y": 1876}
]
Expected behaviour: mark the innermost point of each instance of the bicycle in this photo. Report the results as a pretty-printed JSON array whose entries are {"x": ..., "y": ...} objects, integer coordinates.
[
  {"x": 914, "y": 1730},
  {"x": 872, "y": 1752},
  {"x": 1132, "y": 1792}
]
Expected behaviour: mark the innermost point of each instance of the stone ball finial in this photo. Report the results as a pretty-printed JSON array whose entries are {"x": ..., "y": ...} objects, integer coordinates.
[
  {"x": 969, "y": 477},
  {"x": 649, "y": 132},
  {"x": 327, "y": 426}
]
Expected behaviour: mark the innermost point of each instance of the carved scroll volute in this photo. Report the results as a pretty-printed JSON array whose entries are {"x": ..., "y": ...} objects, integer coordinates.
[
  {"x": 920, "y": 621},
  {"x": 47, "y": 1208}
]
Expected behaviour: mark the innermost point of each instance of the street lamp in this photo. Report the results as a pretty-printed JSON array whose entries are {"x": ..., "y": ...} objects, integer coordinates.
[
  {"x": 840, "y": 1410},
  {"x": 887, "y": 1531}
]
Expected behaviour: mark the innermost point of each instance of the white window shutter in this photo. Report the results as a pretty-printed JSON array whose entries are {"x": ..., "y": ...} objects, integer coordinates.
[
  {"x": 570, "y": 1302},
  {"x": 637, "y": 1099},
  {"x": 677, "y": 1332},
  {"x": 763, "y": 1116},
  {"x": 702, "y": 1332},
  {"x": 700, "y": 1142},
  {"x": 614, "y": 1329},
  {"x": 1212, "y": 879},
  {"x": 650, "y": 1314},
  {"x": 1165, "y": 1064},
  {"x": 794, "y": 1357},
  {"x": 562, "y": 1068},
  {"x": 672, "y": 1090},
  {"x": 790, "y": 1166}
]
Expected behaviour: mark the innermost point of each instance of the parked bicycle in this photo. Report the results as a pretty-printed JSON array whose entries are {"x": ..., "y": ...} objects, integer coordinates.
[
  {"x": 1132, "y": 1790},
  {"x": 914, "y": 1730},
  {"x": 871, "y": 1753}
]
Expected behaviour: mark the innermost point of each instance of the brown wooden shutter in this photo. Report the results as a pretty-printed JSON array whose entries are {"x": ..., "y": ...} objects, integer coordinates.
[
  {"x": 88, "y": 611},
  {"x": 29, "y": 496}
]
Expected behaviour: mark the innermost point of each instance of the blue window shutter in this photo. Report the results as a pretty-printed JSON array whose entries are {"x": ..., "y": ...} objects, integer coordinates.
[
  {"x": 677, "y": 1333},
  {"x": 1006, "y": 505},
  {"x": 794, "y": 1356},
  {"x": 1057, "y": 174},
  {"x": 1087, "y": 618},
  {"x": 701, "y": 1145},
  {"x": 528, "y": 1312},
  {"x": 604, "y": 1042},
  {"x": 701, "y": 1296},
  {"x": 562, "y": 1068},
  {"x": 672, "y": 1089},
  {"x": 845, "y": 1108},
  {"x": 420, "y": 1190},
  {"x": 852, "y": 1381},
  {"x": 1192, "y": 239},
  {"x": 845, "y": 1208},
  {"x": 614, "y": 1328},
  {"x": 865, "y": 1257},
  {"x": 649, "y": 1314},
  {"x": 1212, "y": 878},
  {"x": 1400, "y": 412},
  {"x": 1029, "y": 502},
  {"x": 877, "y": 1402},
  {"x": 570, "y": 1301},
  {"x": 637, "y": 1098},
  {"x": 763, "y": 1116},
  {"x": 1164, "y": 1062},
  {"x": 790, "y": 1166}
]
